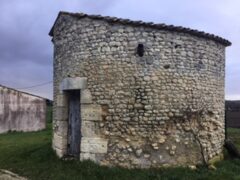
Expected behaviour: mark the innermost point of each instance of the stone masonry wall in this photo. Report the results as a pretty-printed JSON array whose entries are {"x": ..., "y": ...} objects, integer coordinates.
[{"x": 164, "y": 108}]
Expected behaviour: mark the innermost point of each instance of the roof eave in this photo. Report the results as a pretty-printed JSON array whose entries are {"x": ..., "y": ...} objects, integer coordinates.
[
  {"x": 152, "y": 25},
  {"x": 52, "y": 29}
]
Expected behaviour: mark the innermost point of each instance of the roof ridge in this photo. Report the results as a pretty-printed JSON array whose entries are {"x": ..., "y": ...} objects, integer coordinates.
[{"x": 161, "y": 26}]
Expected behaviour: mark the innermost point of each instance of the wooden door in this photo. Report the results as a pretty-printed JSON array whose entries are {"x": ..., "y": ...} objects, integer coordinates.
[{"x": 74, "y": 124}]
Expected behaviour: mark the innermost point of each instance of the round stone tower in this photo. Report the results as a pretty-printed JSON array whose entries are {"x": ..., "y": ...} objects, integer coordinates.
[{"x": 137, "y": 94}]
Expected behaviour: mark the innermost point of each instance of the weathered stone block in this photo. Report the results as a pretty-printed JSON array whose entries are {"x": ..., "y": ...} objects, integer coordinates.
[
  {"x": 59, "y": 142},
  {"x": 73, "y": 83},
  {"x": 60, "y": 153},
  {"x": 89, "y": 129},
  {"x": 86, "y": 97},
  {"x": 92, "y": 112},
  {"x": 61, "y": 128},
  {"x": 94, "y": 145},
  {"x": 61, "y": 100},
  {"x": 87, "y": 156},
  {"x": 61, "y": 113}
]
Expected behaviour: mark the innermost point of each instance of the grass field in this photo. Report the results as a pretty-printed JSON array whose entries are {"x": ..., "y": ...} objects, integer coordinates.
[
  {"x": 234, "y": 135},
  {"x": 30, "y": 155}
]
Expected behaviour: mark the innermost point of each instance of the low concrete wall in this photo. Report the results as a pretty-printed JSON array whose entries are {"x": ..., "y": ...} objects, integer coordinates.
[{"x": 21, "y": 111}]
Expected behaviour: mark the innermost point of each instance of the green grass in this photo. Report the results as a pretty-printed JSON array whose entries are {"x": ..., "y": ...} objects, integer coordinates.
[
  {"x": 49, "y": 114},
  {"x": 31, "y": 155},
  {"x": 234, "y": 135}
]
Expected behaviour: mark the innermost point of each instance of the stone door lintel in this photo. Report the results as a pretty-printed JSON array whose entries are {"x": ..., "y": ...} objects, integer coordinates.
[{"x": 73, "y": 83}]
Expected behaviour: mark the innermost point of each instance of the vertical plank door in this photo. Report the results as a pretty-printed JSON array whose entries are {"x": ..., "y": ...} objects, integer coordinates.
[{"x": 74, "y": 134}]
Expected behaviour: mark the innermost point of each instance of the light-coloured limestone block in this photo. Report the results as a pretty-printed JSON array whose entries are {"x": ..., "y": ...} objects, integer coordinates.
[
  {"x": 62, "y": 128},
  {"x": 59, "y": 142},
  {"x": 60, "y": 152},
  {"x": 86, "y": 97},
  {"x": 61, "y": 100},
  {"x": 89, "y": 129},
  {"x": 91, "y": 112},
  {"x": 94, "y": 145},
  {"x": 87, "y": 156},
  {"x": 73, "y": 83},
  {"x": 61, "y": 113}
]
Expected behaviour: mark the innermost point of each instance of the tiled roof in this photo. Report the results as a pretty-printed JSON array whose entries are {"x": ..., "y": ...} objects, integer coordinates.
[{"x": 147, "y": 24}]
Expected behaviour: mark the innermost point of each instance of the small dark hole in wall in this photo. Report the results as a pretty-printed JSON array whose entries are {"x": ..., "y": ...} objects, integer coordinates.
[
  {"x": 104, "y": 111},
  {"x": 154, "y": 36},
  {"x": 167, "y": 66},
  {"x": 210, "y": 113},
  {"x": 199, "y": 66},
  {"x": 177, "y": 46},
  {"x": 140, "y": 50}
]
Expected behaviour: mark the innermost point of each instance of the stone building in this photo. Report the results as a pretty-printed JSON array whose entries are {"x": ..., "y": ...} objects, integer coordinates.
[
  {"x": 21, "y": 111},
  {"x": 137, "y": 94}
]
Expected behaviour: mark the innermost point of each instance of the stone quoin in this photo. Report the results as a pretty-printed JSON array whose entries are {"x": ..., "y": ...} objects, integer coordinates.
[{"x": 135, "y": 94}]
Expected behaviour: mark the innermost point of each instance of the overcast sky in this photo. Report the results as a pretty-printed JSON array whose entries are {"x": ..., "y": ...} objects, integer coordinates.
[{"x": 26, "y": 50}]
